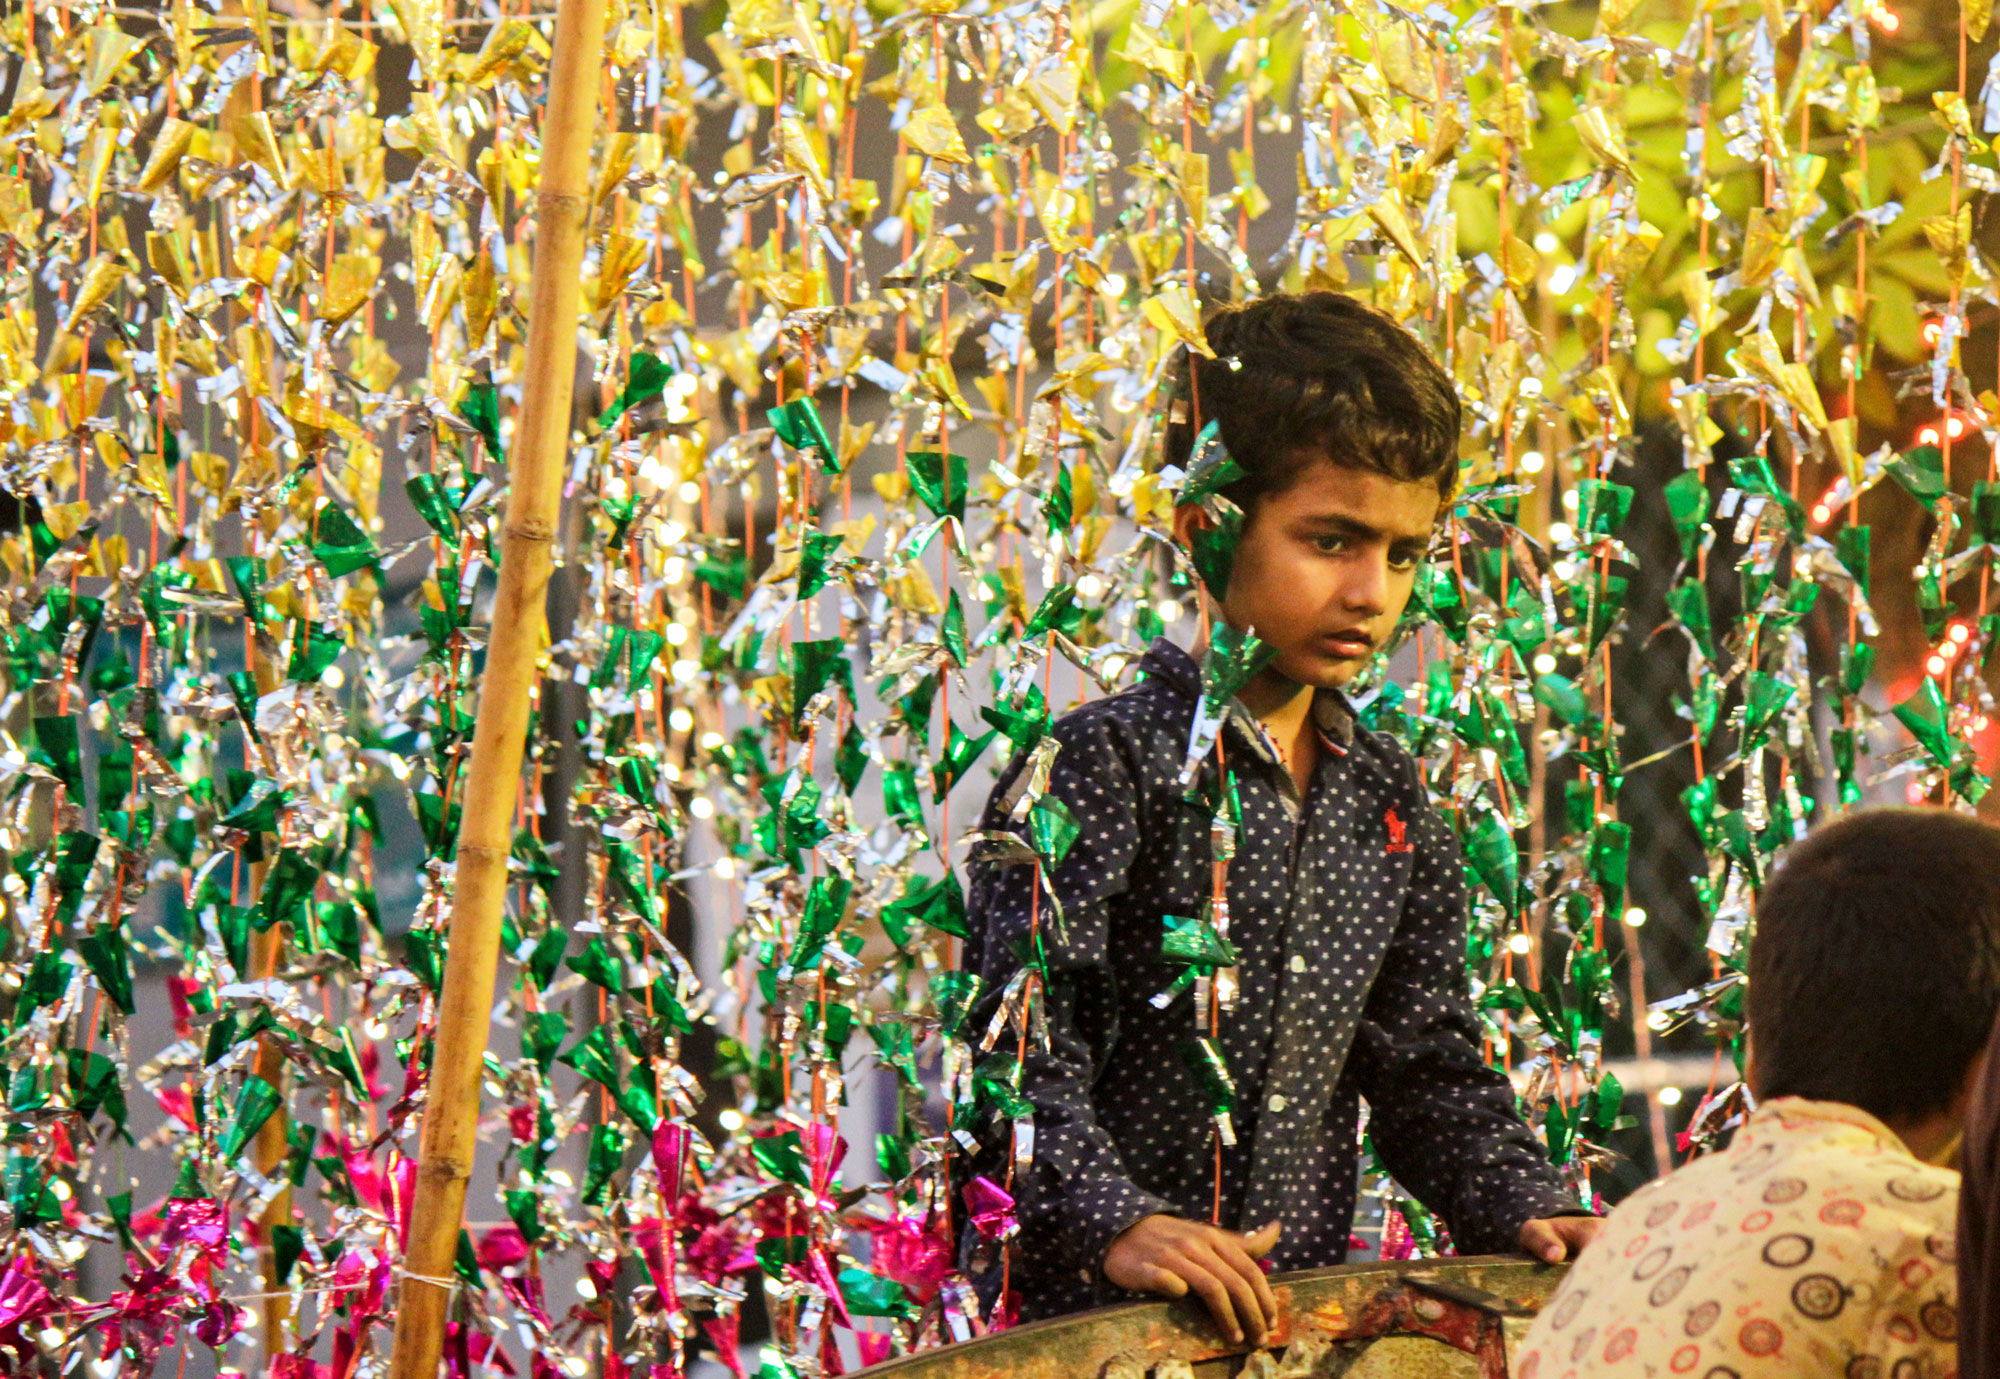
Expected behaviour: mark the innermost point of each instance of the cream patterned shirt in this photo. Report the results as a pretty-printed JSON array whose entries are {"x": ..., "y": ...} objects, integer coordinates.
[{"x": 1816, "y": 1244}]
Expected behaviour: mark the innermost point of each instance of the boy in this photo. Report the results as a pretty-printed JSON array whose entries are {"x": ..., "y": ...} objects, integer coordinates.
[
  {"x": 1820, "y": 1241},
  {"x": 1345, "y": 897}
]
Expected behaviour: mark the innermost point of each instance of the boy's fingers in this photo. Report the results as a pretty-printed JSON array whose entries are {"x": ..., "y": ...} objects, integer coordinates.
[
  {"x": 1264, "y": 1241},
  {"x": 1230, "y": 1264},
  {"x": 1234, "y": 1250},
  {"x": 1211, "y": 1291},
  {"x": 1540, "y": 1239},
  {"x": 1255, "y": 1246},
  {"x": 1578, "y": 1232},
  {"x": 1160, "y": 1279},
  {"x": 1262, "y": 1287},
  {"x": 1261, "y": 1290}
]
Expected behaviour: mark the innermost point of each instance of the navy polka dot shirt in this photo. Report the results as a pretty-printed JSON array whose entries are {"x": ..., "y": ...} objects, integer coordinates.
[{"x": 1346, "y": 909}]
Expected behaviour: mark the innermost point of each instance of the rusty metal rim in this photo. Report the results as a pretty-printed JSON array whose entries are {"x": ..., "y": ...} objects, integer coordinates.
[{"x": 1328, "y": 1304}]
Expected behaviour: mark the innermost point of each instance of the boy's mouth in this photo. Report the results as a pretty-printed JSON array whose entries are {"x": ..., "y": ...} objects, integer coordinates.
[{"x": 1348, "y": 645}]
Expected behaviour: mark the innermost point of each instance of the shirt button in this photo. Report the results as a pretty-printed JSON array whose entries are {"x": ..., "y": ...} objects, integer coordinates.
[
  {"x": 1277, "y": 1102},
  {"x": 1298, "y": 962}
]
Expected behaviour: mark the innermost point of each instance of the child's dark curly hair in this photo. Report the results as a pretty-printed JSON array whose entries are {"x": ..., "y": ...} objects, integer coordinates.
[
  {"x": 1316, "y": 375},
  {"x": 1875, "y": 970}
]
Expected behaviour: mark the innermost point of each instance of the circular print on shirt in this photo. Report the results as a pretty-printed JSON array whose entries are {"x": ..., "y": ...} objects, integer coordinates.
[
  {"x": 1915, "y": 1189},
  {"x": 1653, "y": 1263},
  {"x": 1669, "y": 1288},
  {"x": 1864, "y": 1367},
  {"x": 1941, "y": 1320},
  {"x": 1782, "y": 1190},
  {"x": 1788, "y": 1251},
  {"x": 1843, "y": 1212},
  {"x": 1760, "y": 1338},
  {"x": 1660, "y": 1215},
  {"x": 1701, "y": 1317},
  {"x": 1567, "y": 1309},
  {"x": 1583, "y": 1340},
  {"x": 1819, "y": 1297}
]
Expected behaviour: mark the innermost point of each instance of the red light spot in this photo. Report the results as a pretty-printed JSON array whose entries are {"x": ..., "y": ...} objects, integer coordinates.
[
  {"x": 1928, "y": 436},
  {"x": 1960, "y": 633},
  {"x": 1820, "y": 514},
  {"x": 1889, "y": 22},
  {"x": 1914, "y": 792},
  {"x": 1935, "y": 665},
  {"x": 1954, "y": 426}
]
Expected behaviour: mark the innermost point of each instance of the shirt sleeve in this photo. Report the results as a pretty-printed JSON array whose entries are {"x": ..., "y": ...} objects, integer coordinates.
[
  {"x": 1445, "y": 1123},
  {"x": 1077, "y": 1194}
]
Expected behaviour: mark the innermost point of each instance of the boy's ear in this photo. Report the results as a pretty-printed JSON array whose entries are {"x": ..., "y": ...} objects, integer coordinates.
[{"x": 1190, "y": 518}]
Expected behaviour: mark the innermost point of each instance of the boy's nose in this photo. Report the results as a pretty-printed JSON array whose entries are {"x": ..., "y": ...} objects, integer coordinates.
[{"x": 1367, "y": 588}]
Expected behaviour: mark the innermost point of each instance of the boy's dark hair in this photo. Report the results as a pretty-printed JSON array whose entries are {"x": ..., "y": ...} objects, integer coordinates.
[
  {"x": 1875, "y": 970},
  {"x": 1302, "y": 376}
]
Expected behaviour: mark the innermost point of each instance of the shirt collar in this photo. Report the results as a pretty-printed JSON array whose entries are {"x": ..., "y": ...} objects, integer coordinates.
[
  {"x": 1799, "y": 1115},
  {"x": 1172, "y": 665}
]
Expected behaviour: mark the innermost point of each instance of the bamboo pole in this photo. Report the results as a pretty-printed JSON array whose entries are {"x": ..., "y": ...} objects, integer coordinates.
[{"x": 519, "y": 624}]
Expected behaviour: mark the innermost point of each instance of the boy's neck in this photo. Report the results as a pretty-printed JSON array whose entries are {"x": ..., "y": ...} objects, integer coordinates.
[
  {"x": 1284, "y": 707},
  {"x": 1277, "y": 701},
  {"x": 1934, "y": 1138}
]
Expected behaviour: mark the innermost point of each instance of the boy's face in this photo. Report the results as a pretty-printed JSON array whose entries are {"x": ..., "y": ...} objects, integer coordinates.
[{"x": 1325, "y": 566}]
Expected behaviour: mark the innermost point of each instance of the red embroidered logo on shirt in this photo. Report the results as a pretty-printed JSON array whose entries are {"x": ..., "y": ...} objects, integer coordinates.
[{"x": 1398, "y": 842}]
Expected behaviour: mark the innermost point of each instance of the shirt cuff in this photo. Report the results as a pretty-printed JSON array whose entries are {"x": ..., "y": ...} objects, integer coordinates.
[
  {"x": 1097, "y": 1213},
  {"x": 1499, "y": 1230}
]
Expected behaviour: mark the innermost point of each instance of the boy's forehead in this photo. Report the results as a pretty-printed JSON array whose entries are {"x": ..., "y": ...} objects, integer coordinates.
[{"x": 1336, "y": 491}]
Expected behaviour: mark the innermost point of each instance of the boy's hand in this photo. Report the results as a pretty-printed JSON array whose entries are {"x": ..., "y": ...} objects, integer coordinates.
[
  {"x": 1171, "y": 1256},
  {"x": 1557, "y": 1238}
]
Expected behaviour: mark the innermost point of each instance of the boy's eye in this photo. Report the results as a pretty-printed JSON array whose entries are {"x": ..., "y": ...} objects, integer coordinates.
[
  {"x": 1331, "y": 544},
  {"x": 1405, "y": 559}
]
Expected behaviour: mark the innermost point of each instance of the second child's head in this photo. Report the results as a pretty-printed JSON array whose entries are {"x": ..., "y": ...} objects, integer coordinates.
[
  {"x": 1347, "y": 431},
  {"x": 1875, "y": 970}
]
